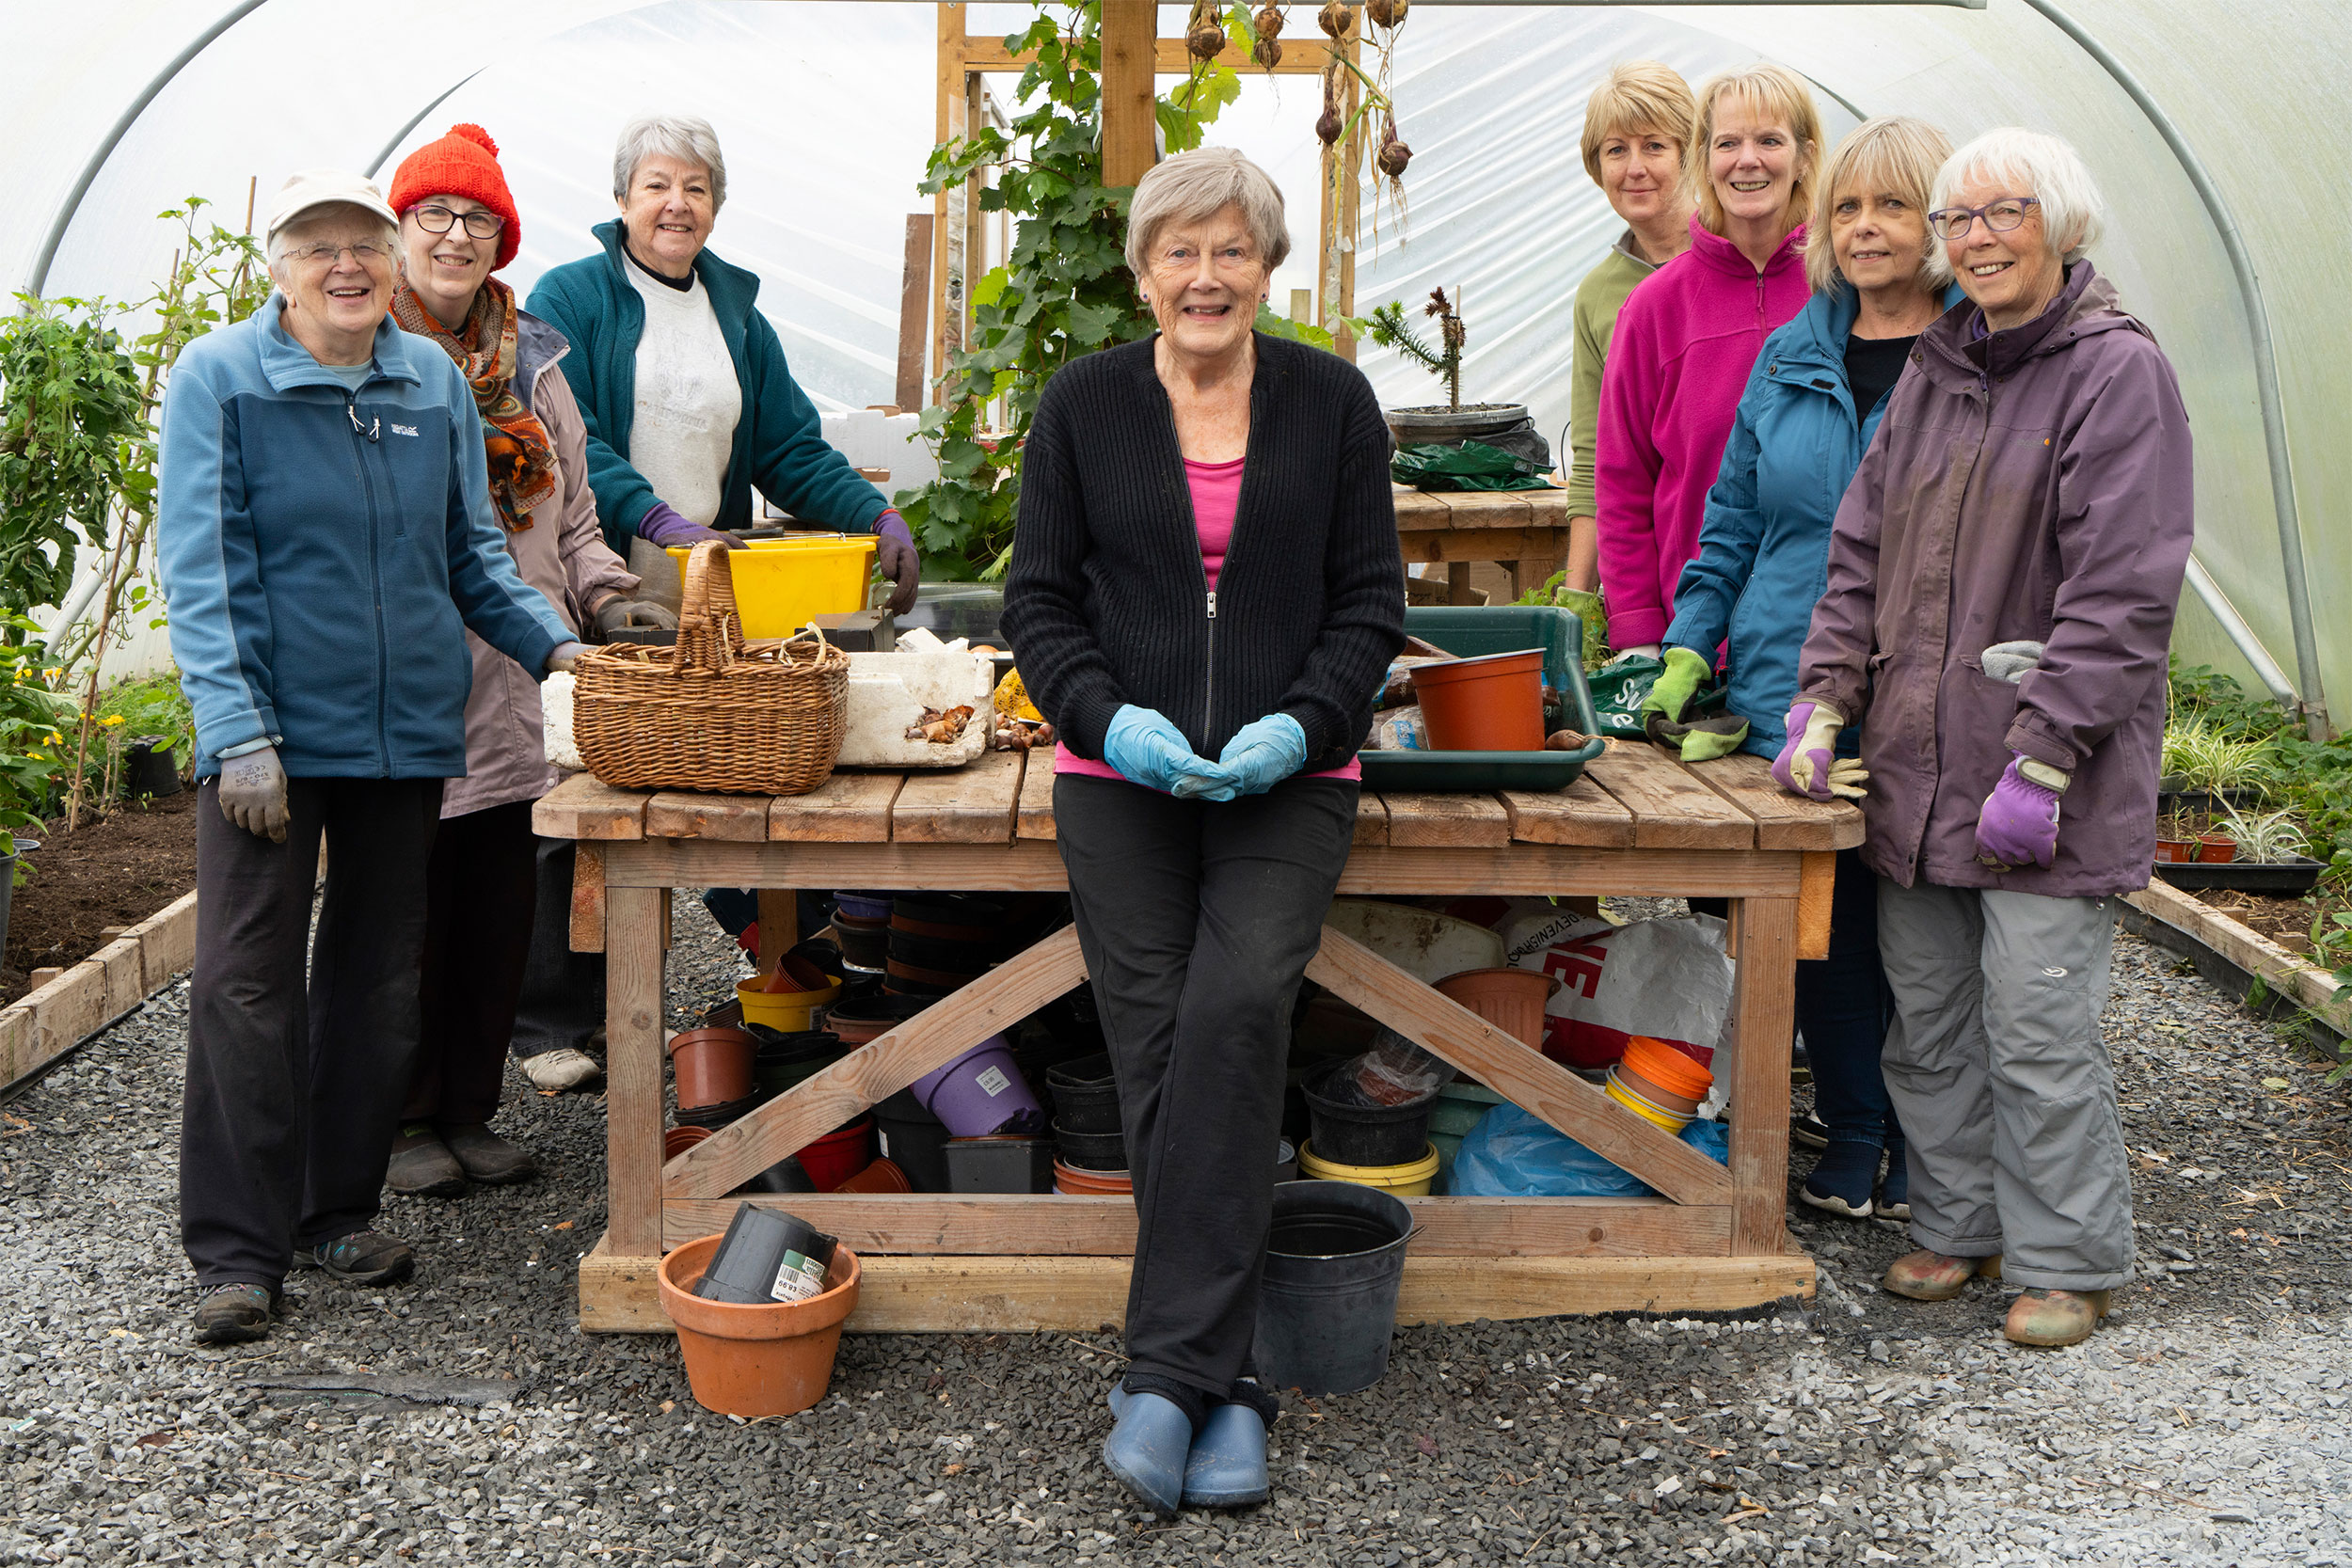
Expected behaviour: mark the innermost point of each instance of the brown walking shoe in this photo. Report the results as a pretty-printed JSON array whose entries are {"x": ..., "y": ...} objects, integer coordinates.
[
  {"x": 422, "y": 1166},
  {"x": 2051, "y": 1318},
  {"x": 234, "y": 1314},
  {"x": 487, "y": 1157},
  {"x": 1925, "y": 1276}
]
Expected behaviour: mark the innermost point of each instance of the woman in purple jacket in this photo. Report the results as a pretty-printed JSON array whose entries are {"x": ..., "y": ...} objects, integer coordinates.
[{"x": 2002, "y": 580}]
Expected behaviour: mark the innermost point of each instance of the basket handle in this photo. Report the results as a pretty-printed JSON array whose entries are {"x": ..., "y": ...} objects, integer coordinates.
[{"x": 711, "y": 632}]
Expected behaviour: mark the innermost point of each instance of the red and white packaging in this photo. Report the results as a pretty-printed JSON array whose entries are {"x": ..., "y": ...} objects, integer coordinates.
[{"x": 1666, "y": 979}]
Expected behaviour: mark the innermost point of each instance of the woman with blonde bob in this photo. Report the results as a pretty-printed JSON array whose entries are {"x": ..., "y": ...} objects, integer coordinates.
[
  {"x": 1637, "y": 128},
  {"x": 2002, "y": 579},
  {"x": 1813, "y": 404},
  {"x": 1680, "y": 359},
  {"x": 1205, "y": 588}
]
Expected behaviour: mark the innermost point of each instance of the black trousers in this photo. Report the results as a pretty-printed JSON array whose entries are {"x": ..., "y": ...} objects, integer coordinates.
[
  {"x": 480, "y": 887},
  {"x": 562, "y": 992},
  {"x": 1198, "y": 920},
  {"x": 292, "y": 1099}
]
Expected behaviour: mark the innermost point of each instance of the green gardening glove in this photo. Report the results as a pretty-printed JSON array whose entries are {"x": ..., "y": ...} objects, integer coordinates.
[
  {"x": 1705, "y": 741},
  {"x": 1671, "y": 692}
]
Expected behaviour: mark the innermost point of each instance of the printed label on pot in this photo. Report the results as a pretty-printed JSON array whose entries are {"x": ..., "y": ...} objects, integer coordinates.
[
  {"x": 881, "y": 1141},
  {"x": 993, "y": 1081},
  {"x": 797, "y": 1278}
]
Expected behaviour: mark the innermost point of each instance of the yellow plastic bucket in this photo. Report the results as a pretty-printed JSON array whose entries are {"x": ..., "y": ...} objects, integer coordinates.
[
  {"x": 783, "y": 584},
  {"x": 790, "y": 1011},
  {"x": 1656, "y": 1116},
  {"x": 1407, "y": 1181}
]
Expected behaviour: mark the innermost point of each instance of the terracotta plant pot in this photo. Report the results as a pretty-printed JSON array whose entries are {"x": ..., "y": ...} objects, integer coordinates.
[
  {"x": 1491, "y": 703},
  {"x": 714, "y": 1065},
  {"x": 1664, "y": 1076},
  {"x": 883, "y": 1176},
  {"x": 1070, "y": 1181},
  {"x": 2176, "y": 851},
  {"x": 1510, "y": 999},
  {"x": 677, "y": 1140},
  {"x": 755, "y": 1361},
  {"x": 2213, "y": 849}
]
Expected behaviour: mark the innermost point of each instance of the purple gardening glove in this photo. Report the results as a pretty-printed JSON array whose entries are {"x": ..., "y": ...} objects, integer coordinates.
[
  {"x": 1802, "y": 766},
  {"x": 896, "y": 558},
  {"x": 665, "y": 526},
  {"x": 2018, "y": 826}
]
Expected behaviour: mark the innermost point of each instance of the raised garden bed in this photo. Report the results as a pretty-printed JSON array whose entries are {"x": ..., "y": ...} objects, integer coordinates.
[{"x": 112, "y": 873}]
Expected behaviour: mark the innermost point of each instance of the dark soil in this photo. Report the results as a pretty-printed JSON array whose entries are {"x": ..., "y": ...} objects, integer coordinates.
[
  {"x": 116, "y": 871},
  {"x": 2284, "y": 921}
]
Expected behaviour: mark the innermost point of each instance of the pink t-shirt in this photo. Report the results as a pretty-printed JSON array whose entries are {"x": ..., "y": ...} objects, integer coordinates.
[{"x": 1215, "y": 495}]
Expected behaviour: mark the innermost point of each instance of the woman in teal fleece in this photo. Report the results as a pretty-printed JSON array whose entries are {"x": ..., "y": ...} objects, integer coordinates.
[
  {"x": 687, "y": 398},
  {"x": 1812, "y": 406}
]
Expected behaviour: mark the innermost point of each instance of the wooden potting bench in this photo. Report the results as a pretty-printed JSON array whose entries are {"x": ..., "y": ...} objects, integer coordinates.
[
  {"x": 1637, "y": 823},
  {"x": 1525, "y": 532}
]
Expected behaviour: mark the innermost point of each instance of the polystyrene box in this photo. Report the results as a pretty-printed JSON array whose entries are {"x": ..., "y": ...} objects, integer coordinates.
[{"x": 888, "y": 693}]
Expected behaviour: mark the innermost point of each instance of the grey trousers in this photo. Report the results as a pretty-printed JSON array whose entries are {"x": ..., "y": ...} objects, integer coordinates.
[{"x": 2001, "y": 1080}]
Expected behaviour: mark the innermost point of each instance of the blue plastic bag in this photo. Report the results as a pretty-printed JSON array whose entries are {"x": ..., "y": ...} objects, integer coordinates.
[{"x": 1514, "y": 1153}]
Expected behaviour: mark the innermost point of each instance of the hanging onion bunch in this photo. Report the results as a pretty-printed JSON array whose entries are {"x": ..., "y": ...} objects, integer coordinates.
[
  {"x": 1328, "y": 124},
  {"x": 1388, "y": 14},
  {"x": 1392, "y": 155},
  {"x": 1205, "y": 39},
  {"x": 1336, "y": 20},
  {"x": 1267, "y": 51}
]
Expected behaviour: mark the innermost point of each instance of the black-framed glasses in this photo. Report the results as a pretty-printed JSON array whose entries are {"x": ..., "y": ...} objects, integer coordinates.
[
  {"x": 439, "y": 220},
  {"x": 1951, "y": 223}
]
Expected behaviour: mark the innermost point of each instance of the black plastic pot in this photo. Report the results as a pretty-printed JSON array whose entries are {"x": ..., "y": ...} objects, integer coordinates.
[
  {"x": 1000, "y": 1164},
  {"x": 723, "y": 1115},
  {"x": 1326, "y": 1303},
  {"x": 784, "y": 1059},
  {"x": 767, "y": 1256},
  {"x": 786, "y": 1176},
  {"x": 1346, "y": 1134},
  {"x": 913, "y": 1140},
  {"x": 149, "y": 768},
  {"x": 941, "y": 953},
  {"x": 1086, "y": 1096},
  {"x": 1092, "y": 1151},
  {"x": 866, "y": 945}
]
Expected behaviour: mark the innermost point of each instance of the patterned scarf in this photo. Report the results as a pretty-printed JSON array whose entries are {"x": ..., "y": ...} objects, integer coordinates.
[{"x": 522, "y": 457}]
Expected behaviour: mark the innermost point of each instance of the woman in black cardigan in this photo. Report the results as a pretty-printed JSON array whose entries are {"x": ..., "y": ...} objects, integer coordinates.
[{"x": 1207, "y": 567}]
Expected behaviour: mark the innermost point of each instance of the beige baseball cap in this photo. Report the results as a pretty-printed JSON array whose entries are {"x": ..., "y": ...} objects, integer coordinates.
[{"x": 311, "y": 188}]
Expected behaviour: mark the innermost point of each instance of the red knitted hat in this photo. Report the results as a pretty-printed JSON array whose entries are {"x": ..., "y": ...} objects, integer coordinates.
[{"x": 464, "y": 162}]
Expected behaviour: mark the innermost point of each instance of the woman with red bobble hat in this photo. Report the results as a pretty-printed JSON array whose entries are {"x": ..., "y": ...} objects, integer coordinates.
[{"x": 457, "y": 227}]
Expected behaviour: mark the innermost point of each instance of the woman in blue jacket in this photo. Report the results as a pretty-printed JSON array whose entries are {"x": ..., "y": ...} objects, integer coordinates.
[{"x": 1811, "y": 407}]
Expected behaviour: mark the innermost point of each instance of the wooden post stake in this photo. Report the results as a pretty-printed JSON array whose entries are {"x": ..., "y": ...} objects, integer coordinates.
[
  {"x": 1130, "y": 128},
  {"x": 633, "y": 990},
  {"x": 915, "y": 310}
]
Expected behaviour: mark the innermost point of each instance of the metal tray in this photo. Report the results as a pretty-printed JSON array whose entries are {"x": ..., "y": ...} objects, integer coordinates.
[
  {"x": 1468, "y": 631},
  {"x": 2289, "y": 877}
]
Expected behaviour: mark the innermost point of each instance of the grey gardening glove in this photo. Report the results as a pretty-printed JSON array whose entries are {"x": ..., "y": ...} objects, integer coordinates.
[
  {"x": 253, "y": 794},
  {"x": 2008, "y": 661},
  {"x": 565, "y": 656},
  {"x": 618, "y": 611}
]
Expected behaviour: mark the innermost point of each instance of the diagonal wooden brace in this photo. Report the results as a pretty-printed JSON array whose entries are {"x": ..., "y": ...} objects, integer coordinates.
[
  {"x": 877, "y": 1070},
  {"x": 1363, "y": 978}
]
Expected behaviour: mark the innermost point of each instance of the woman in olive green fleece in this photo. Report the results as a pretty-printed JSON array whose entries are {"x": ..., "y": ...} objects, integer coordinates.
[{"x": 1639, "y": 121}]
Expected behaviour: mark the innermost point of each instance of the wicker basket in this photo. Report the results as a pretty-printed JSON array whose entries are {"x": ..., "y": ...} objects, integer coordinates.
[{"x": 715, "y": 713}]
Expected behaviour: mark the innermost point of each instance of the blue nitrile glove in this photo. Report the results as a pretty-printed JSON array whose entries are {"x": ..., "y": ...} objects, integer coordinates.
[
  {"x": 1147, "y": 750},
  {"x": 1265, "y": 753}
]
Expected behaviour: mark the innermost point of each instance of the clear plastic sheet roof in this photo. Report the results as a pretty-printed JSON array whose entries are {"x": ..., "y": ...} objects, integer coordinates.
[{"x": 825, "y": 109}]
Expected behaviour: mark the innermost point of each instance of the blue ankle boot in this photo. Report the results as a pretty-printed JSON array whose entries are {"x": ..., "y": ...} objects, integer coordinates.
[
  {"x": 1842, "y": 1180},
  {"x": 1147, "y": 1449},
  {"x": 1227, "y": 1467}
]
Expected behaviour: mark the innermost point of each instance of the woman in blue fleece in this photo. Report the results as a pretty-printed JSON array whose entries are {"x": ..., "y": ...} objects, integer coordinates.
[
  {"x": 326, "y": 540},
  {"x": 1812, "y": 406}
]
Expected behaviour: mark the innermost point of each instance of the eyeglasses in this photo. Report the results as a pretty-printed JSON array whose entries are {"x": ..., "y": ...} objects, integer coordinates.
[
  {"x": 439, "y": 220},
  {"x": 1951, "y": 223},
  {"x": 367, "y": 253}
]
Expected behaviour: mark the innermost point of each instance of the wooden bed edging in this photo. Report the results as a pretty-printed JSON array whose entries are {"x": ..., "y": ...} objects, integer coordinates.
[
  {"x": 2240, "y": 950},
  {"x": 44, "y": 1024}
]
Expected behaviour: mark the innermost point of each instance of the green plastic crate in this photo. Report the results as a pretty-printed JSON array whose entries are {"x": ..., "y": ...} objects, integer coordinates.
[{"x": 1468, "y": 631}]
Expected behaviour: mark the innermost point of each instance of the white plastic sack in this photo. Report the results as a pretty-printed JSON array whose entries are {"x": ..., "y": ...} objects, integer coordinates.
[
  {"x": 555, "y": 721},
  {"x": 1666, "y": 979}
]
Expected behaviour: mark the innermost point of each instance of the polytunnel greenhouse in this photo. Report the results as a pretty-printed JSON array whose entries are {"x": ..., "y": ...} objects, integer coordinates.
[{"x": 115, "y": 112}]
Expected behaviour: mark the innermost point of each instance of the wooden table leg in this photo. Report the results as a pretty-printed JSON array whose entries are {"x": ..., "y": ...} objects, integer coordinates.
[
  {"x": 1457, "y": 577},
  {"x": 779, "y": 924},
  {"x": 634, "y": 991},
  {"x": 1817, "y": 882},
  {"x": 1764, "y": 1003}
]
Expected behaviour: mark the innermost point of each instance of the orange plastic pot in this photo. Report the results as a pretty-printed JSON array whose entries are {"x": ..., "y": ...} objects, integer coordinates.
[
  {"x": 1664, "y": 1076},
  {"x": 677, "y": 1140},
  {"x": 755, "y": 1361},
  {"x": 883, "y": 1176},
  {"x": 1494, "y": 703},
  {"x": 1075, "y": 1181},
  {"x": 714, "y": 1065},
  {"x": 2175, "y": 851},
  {"x": 2212, "y": 849},
  {"x": 1510, "y": 999}
]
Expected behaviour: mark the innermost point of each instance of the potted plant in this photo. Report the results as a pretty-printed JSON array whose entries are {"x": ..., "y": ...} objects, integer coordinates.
[
  {"x": 1451, "y": 422},
  {"x": 2257, "y": 853}
]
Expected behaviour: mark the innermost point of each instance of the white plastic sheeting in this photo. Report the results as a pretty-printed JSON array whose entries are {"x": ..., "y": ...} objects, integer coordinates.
[{"x": 825, "y": 108}]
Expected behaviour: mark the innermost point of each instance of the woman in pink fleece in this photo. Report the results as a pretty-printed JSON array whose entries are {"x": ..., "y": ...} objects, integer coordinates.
[{"x": 1688, "y": 336}]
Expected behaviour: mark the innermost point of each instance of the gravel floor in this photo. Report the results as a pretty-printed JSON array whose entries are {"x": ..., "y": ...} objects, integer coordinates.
[{"x": 2205, "y": 1425}]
